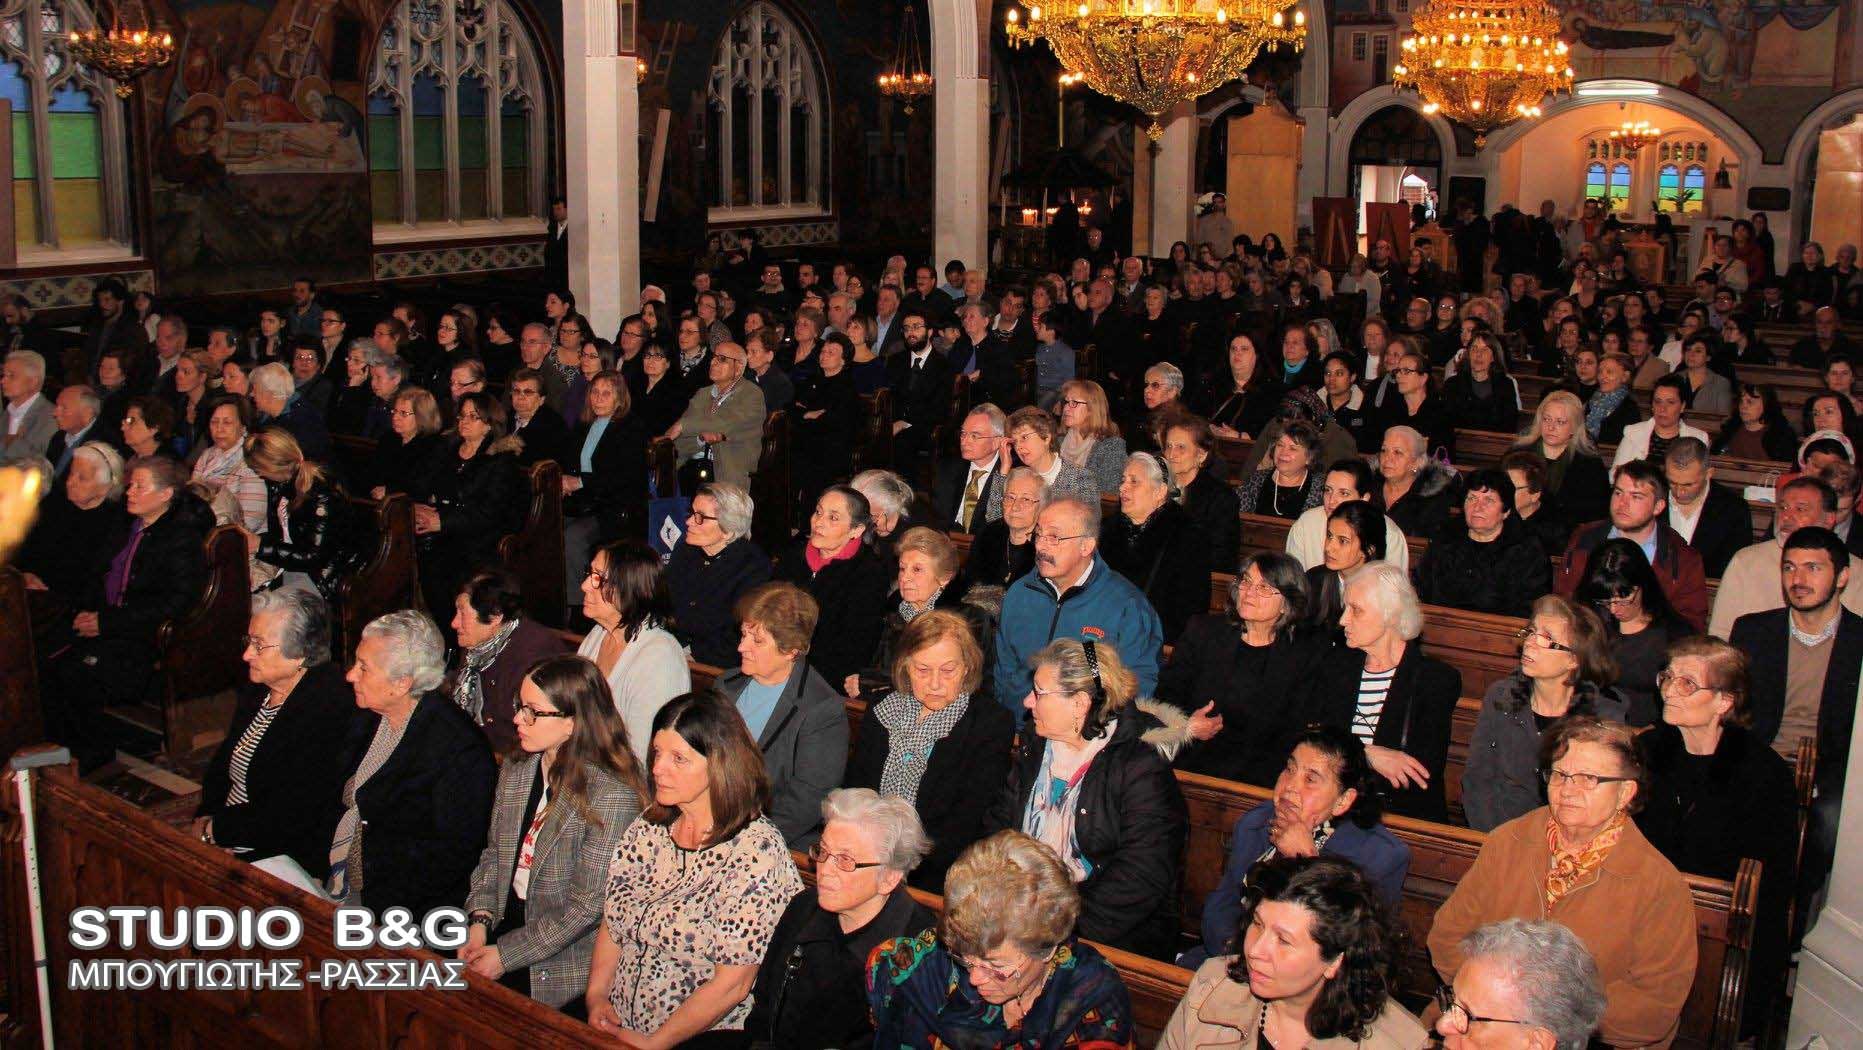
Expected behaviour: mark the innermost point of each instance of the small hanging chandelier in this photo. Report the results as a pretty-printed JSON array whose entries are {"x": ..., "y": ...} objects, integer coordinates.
[
  {"x": 1635, "y": 135},
  {"x": 1154, "y": 54},
  {"x": 122, "y": 53},
  {"x": 1484, "y": 63},
  {"x": 907, "y": 79}
]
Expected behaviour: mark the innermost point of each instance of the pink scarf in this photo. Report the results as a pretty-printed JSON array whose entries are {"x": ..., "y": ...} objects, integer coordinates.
[{"x": 819, "y": 561}]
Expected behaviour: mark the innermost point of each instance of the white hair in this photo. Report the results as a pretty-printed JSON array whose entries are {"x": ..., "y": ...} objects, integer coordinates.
[
  {"x": 415, "y": 650},
  {"x": 107, "y": 459},
  {"x": 735, "y": 507},
  {"x": 887, "y": 493},
  {"x": 1168, "y": 373},
  {"x": 998, "y": 422},
  {"x": 1390, "y": 591},
  {"x": 30, "y": 362},
  {"x": 273, "y": 380},
  {"x": 891, "y": 820},
  {"x": 1550, "y": 970}
]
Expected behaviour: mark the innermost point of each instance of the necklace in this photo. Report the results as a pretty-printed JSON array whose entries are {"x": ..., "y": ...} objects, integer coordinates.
[{"x": 1809, "y": 640}]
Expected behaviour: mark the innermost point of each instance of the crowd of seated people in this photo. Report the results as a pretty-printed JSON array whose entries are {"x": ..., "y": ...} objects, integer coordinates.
[{"x": 1087, "y": 503}]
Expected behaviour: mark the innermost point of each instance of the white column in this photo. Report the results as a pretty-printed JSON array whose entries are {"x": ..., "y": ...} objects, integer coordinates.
[
  {"x": 1828, "y": 998},
  {"x": 1314, "y": 139},
  {"x": 961, "y": 136},
  {"x": 1172, "y": 179},
  {"x": 601, "y": 122}
]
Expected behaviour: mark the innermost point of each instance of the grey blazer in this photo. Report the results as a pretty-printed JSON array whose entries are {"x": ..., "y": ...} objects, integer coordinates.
[
  {"x": 740, "y": 419},
  {"x": 568, "y": 878},
  {"x": 35, "y": 433},
  {"x": 804, "y": 749},
  {"x": 1502, "y": 779}
]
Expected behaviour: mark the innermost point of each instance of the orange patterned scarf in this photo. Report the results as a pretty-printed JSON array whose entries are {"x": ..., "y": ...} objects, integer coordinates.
[{"x": 1570, "y": 868}]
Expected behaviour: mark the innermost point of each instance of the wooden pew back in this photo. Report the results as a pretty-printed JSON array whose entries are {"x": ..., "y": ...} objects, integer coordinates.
[
  {"x": 21, "y": 720},
  {"x": 535, "y": 552},
  {"x": 387, "y": 580},
  {"x": 199, "y": 652}
]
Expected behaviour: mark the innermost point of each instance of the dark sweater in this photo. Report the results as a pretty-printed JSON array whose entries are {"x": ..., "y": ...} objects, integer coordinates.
[{"x": 704, "y": 588}]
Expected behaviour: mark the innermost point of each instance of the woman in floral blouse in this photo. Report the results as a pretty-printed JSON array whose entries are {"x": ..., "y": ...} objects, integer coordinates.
[
  {"x": 1003, "y": 968},
  {"x": 696, "y": 887}
]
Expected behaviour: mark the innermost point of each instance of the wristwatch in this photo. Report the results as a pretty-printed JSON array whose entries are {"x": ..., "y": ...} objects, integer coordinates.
[
  {"x": 207, "y": 832},
  {"x": 481, "y": 918}
]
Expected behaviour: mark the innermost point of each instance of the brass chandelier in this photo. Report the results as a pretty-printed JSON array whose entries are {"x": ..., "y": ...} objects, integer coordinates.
[
  {"x": 1154, "y": 54},
  {"x": 1635, "y": 135},
  {"x": 122, "y": 53},
  {"x": 1484, "y": 63},
  {"x": 908, "y": 79}
]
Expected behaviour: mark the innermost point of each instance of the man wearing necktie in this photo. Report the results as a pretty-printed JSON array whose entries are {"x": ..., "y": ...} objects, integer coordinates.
[{"x": 961, "y": 496}]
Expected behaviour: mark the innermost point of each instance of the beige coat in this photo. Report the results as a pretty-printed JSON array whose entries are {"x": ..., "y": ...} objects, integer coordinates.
[{"x": 1217, "y": 1011}]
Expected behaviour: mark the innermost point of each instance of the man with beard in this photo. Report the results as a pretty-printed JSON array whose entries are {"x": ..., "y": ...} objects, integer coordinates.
[
  {"x": 1639, "y": 512},
  {"x": 1803, "y": 662},
  {"x": 920, "y": 378},
  {"x": 1072, "y": 593},
  {"x": 1750, "y": 583}
]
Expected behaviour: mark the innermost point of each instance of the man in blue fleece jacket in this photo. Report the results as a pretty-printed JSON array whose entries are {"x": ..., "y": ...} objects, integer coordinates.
[{"x": 1071, "y": 593}]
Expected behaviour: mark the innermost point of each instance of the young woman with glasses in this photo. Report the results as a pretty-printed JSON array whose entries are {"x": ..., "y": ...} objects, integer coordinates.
[{"x": 1620, "y": 585}]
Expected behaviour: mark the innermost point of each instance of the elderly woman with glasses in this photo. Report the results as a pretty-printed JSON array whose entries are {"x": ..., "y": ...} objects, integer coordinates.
[
  {"x": 1314, "y": 965},
  {"x": 409, "y": 447},
  {"x": 809, "y": 991},
  {"x": 1581, "y": 861},
  {"x": 418, "y": 778},
  {"x": 1715, "y": 794},
  {"x": 1090, "y": 781},
  {"x": 934, "y": 737},
  {"x": 271, "y": 788},
  {"x": 1382, "y": 687},
  {"x": 1532, "y": 981},
  {"x": 714, "y": 564},
  {"x": 1003, "y": 551},
  {"x": 1235, "y": 674},
  {"x": 1155, "y": 543},
  {"x": 928, "y": 577},
  {"x": 1004, "y": 967},
  {"x": 1565, "y": 669}
]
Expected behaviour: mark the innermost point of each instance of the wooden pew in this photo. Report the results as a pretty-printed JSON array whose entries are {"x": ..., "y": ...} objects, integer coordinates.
[
  {"x": 873, "y": 442},
  {"x": 388, "y": 579},
  {"x": 199, "y": 652},
  {"x": 95, "y": 849},
  {"x": 21, "y": 720},
  {"x": 1155, "y": 987},
  {"x": 535, "y": 552},
  {"x": 772, "y": 498},
  {"x": 1441, "y": 856}
]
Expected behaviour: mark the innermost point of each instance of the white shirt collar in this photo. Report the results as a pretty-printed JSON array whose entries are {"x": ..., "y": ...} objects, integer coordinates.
[{"x": 16, "y": 413}]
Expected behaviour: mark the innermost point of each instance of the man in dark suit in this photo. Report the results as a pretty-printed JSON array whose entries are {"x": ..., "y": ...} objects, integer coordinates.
[
  {"x": 1804, "y": 661},
  {"x": 961, "y": 497},
  {"x": 887, "y": 339},
  {"x": 920, "y": 379},
  {"x": 926, "y": 298},
  {"x": 1710, "y": 518},
  {"x": 543, "y": 431},
  {"x": 75, "y": 411},
  {"x": 1101, "y": 327},
  {"x": 556, "y": 248}
]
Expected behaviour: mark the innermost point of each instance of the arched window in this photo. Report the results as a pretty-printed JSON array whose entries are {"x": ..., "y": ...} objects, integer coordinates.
[
  {"x": 764, "y": 124},
  {"x": 459, "y": 120},
  {"x": 1682, "y": 181},
  {"x": 1620, "y": 186},
  {"x": 70, "y": 164}
]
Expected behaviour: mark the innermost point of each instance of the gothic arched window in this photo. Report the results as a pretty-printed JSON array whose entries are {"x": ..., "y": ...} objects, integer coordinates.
[
  {"x": 765, "y": 120},
  {"x": 70, "y": 157},
  {"x": 459, "y": 118}
]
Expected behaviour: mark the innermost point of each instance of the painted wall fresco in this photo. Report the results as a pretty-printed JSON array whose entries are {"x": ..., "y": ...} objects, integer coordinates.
[{"x": 259, "y": 162}]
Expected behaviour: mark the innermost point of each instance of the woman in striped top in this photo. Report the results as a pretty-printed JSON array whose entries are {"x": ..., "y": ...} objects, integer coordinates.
[{"x": 1381, "y": 687}]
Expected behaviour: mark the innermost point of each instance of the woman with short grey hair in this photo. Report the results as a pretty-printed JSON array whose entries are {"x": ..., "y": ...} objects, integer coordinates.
[
  {"x": 422, "y": 785},
  {"x": 271, "y": 788},
  {"x": 808, "y": 991},
  {"x": 714, "y": 565},
  {"x": 1535, "y": 973},
  {"x": 1154, "y": 542},
  {"x": 889, "y": 497}
]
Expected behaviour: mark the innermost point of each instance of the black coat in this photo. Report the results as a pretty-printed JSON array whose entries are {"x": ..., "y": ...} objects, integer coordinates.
[
  {"x": 398, "y": 466},
  {"x": 1423, "y": 511},
  {"x": 1499, "y": 411},
  {"x": 349, "y": 410},
  {"x": 426, "y": 810},
  {"x": 661, "y": 407},
  {"x": 852, "y": 595},
  {"x": 1585, "y": 489},
  {"x": 304, "y": 421},
  {"x": 1611, "y": 431},
  {"x": 810, "y": 988},
  {"x": 1130, "y": 827},
  {"x": 1248, "y": 411},
  {"x": 982, "y": 631},
  {"x": 999, "y": 379},
  {"x": 546, "y": 436},
  {"x": 70, "y": 549},
  {"x": 1213, "y": 505},
  {"x": 481, "y": 501},
  {"x": 962, "y": 769},
  {"x": 1725, "y": 527},
  {"x": 1205, "y": 666},
  {"x": 1705, "y": 819},
  {"x": 923, "y": 397},
  {"x": 948, "y": 495},
  {"x": 704, "y": 588},
  {"x": 1766, "y": 639},
  {"x": 1504, "y": 576},
  {"x": 1432, "y": 420},
  {"x": 993, "y": 561},
  {"x": 823, "y": 447},
  {"x": 166, "y": 576},
  {"x": 1168, "y": 558},
  {"x": 294, "y": 783},
  {"x": 615, "y": 492},
  {"x": 323, "y": 536},
  {"x": 1416, "y": 720}
]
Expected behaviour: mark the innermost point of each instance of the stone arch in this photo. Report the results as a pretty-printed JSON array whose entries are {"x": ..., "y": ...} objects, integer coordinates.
[{"x": 1357, "y": 112}]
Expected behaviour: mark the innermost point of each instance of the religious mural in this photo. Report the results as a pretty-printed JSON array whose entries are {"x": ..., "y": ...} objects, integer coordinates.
[{"x": 260, "y": 168}]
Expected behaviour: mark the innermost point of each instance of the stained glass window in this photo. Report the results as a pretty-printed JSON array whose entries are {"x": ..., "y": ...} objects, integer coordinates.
[{"x": 764, "y": 122}]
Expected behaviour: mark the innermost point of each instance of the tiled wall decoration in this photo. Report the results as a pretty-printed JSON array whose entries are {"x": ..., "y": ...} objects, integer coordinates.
[
  {"x": 72, "y": 290},
  {"x": 788, "y": 234},
  {"x": 472, "y": 258}
]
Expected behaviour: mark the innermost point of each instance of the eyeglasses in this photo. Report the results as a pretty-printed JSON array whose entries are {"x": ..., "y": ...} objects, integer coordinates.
[
  {"x": 330, "y": 320},
  {"x": 1581, "y": 781},
  {"x": 696, "y": 516},
  {"x": 256, "y": 643},
  {"x": 1543, "y": 638},
  {"x": 842, "y": 861},
  {"x": 528, "y": 715},
  {"x": 1685, "y": 686},
  {"x": 1406, "y": 370},
  {"x": 997, "y": 973},
  {"x": 1023, "y": 501},
  {"x": 601, "y": 578},
  {"x": 402, "y": 413},
  {"x": 470, "y": 418},
  {"x": 1075, "y": 402},
  {"x": 728, "y": 360},
  {"x": 1046, "y": 539},
  {"x": 1459, "y": 1016},
  {"x": 1258, "y": 586}
]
